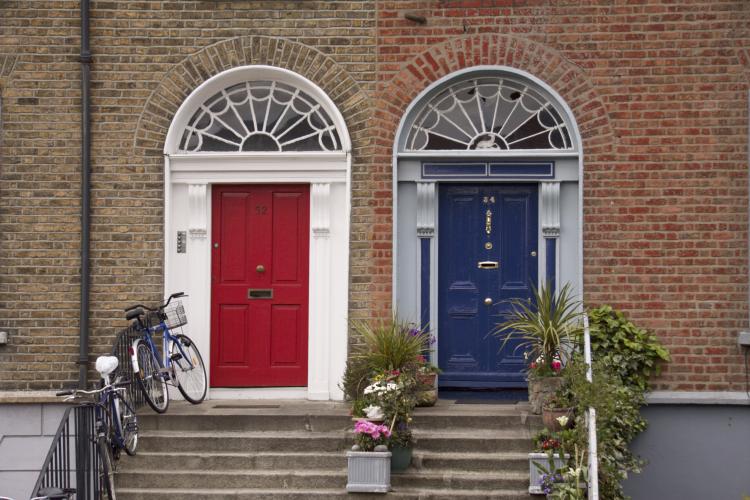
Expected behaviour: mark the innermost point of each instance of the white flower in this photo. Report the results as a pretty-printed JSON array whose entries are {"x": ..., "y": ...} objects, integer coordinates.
[
  {"x": 374, "y": 412},
  {"x": 563, "y": 421},
  {"x": 391, "y": 387}
]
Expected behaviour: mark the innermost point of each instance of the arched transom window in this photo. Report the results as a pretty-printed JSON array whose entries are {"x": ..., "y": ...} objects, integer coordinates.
[
  {"x": 260, "y": 116},
  {"x": 488, "y": 113}
]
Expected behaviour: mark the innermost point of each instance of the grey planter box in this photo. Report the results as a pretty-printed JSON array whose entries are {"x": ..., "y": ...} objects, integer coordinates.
[
  {"x": 535, "y": 475},
  {"x": 369, "y": 471}
]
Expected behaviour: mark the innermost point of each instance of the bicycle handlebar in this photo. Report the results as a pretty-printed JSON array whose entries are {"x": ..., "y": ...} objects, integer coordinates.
[
  {"x": 176, "y": 295},
  {"x": 78, "y": 393}
]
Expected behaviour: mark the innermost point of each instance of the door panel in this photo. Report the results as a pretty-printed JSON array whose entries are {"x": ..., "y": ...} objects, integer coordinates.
[
  {"x": 260, "y": 243},
  {"x": 480, "y": 225}
]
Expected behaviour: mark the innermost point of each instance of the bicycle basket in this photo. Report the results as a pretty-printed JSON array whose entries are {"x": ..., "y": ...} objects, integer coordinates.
[{"x": 175, "y": 314}]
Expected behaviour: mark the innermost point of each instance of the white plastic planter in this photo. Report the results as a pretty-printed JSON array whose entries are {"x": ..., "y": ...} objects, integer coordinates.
[
  {"x": 369, "y": 471},
  {"x": 535, "y": 475}
]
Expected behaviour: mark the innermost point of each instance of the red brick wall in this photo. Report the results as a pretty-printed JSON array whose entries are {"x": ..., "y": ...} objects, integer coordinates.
[
  {"x": 658, "y": 88},
  {"x": 659, "y": 91}
]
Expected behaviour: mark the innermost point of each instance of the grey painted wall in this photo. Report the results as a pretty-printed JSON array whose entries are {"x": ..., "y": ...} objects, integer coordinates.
[
  {"x": 26, "y": 431},
  {"x": 695, "y": 452}
]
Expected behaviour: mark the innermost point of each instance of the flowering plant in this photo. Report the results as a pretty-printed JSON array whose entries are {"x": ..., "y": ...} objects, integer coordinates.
[
  {"x": 368, "y": 435},
  {"x": 541, "y": 368}
]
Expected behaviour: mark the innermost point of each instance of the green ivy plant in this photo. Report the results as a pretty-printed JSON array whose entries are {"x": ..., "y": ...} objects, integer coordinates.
[
  {"x": 631, "y": 352},
  {"x": 625, "y": 357}
]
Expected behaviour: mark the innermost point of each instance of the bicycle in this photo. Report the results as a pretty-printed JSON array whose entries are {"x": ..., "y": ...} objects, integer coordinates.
[
  {"x": 180, "y": 362},
  {"x": 116, "y": 423}
]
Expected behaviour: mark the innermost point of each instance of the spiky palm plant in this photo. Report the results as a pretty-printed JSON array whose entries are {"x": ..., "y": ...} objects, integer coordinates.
[
  {"x": 389, "y": 345},
  {"x": 544, "y": 324}
]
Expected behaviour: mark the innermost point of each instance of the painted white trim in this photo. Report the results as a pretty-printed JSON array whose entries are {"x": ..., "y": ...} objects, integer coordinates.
[
  {"x": 715, "y": 398},
  {"x": 494, "y": 155},
  {"x": 329, "y": 173},
  {"x": 242, "y": 74},
  {"x": 434, "y": 87}
]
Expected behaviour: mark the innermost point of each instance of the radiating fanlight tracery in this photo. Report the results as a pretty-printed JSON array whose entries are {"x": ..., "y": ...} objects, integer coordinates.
[
  {"x": 488, "y": 113},
  {"x": 260, "y": 116}
]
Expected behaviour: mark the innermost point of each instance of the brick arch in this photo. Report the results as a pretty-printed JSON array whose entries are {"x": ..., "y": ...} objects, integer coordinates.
[
  {"x": 186, "y": 76},
  {"x": 565, "y": 77}
]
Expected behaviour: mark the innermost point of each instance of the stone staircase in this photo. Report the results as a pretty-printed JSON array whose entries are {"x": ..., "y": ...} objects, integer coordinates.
[{"x": 295, "y": 450}]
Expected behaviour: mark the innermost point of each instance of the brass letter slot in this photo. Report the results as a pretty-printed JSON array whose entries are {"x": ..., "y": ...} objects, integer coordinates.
[
  {"x": 488, "y": 264},
  {"x": 254, "y": 293}
]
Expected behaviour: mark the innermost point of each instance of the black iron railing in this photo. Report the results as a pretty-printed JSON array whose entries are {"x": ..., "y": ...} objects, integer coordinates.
[
  {"x": 121, "y": 349},
  {"x": 73, "y": 461}
]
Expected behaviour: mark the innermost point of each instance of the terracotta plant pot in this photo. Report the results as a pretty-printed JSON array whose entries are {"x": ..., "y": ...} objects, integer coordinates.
[
  {"x": 550, "y": 416},
  {"x": 541, "y": 390}
]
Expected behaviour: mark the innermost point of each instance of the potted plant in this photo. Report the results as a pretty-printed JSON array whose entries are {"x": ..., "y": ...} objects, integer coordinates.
[
  {"x": 369, "y": 461},
  {"x": 392, "y": 353},
  {"x": 427, "y": 373},
  {"x": 546, "y": 328},
  {"x": 560, "y": 405},
  {"x": 394, "y": 396},
  {"x": 548, "y": 459}
]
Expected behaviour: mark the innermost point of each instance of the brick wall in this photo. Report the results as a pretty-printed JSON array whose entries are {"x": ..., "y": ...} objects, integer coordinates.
[
  {"x": 658, "y": 88},
  {"x": 140, "y": 50}
]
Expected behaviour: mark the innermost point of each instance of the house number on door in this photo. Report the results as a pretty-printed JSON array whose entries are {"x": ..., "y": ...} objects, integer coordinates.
[
  {"x": 261, "y": 209},
  {"x": 488, "y": 222}
]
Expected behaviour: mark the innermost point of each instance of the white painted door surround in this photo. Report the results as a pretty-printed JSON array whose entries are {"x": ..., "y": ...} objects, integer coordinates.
[
  {"x": 484, "y": 124},
  {"x": 261, "y": 124}
]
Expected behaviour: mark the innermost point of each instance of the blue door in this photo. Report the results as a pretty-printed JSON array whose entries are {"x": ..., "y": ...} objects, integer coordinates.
[{"x": 487, "y": 251}]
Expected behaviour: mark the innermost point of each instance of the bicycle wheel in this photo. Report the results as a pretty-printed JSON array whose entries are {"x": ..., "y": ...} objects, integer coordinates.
[
  {"x": 190, "y": 373},
  {"x": 128, "y": 422},
  {"x": 150, "y": 380},
  {"x": 106, "y": 471}
]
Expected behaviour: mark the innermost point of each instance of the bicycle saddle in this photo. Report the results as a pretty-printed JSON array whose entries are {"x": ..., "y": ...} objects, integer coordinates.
[{"x": 106, "y": 364}]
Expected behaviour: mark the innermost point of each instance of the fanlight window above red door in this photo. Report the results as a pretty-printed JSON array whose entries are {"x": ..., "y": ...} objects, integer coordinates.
[
  {"x": 488, "y": 113},
  {"x": 258, "y": 116}
]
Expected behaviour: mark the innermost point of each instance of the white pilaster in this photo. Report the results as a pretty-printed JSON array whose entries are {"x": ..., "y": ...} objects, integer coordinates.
[
  {"x": 319, "y": 337},
  {"x": 551, "y": 223},
  {"x": 198, "y": 269}
]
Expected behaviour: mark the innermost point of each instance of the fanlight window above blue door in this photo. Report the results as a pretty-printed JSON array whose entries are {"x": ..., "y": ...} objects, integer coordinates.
[
  {"x": 259, "y": 116},
  {"x": 488, "y": 113}
]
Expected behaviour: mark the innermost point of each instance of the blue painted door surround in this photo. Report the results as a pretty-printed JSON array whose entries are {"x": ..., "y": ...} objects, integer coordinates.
[{"x": 480, "y": 225}]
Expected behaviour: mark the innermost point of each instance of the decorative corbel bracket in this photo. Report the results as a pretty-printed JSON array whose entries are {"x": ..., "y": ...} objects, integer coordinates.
[
  {"x": 551, "y": 209},
  {"x": 425, "y": 209},
  {"x": 320, "y": 195},
  {"x": 197, "y": 224}
]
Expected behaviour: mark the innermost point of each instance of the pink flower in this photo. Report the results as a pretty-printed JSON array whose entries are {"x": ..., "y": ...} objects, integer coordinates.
[
  {"x": 533, "y": 365},
  {"x": 556, "y": 365}
]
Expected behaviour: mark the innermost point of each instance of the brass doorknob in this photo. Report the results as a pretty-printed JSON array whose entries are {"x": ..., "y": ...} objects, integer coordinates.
[
  {"x": 488, "y": 301},
  {"x": 259, "y": 268}
]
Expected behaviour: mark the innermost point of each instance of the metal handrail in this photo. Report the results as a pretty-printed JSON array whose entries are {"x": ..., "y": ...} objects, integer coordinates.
[
  {"x": 73, "y": 458},
  {"x": 593, "y": 461}
]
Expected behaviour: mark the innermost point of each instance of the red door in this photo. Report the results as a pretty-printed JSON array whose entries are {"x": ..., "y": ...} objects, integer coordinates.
[{"x": 259, "y": 292}]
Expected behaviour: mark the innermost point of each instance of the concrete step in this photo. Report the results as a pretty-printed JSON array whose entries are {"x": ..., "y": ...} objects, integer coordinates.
[
  {"x": 505, "y": 461},
  {"x": 513, "y": 462},
  {"x": 216, "y": 441},
  {"x": 473, "y": 442},
  {"x": 246, "y": 479},
  {"x": 190, "y": 461},
  {"x": 240, "y": 423},
  {"x": 323, "y": 423},
  {"x": 303, "y": 494},
  {"x": 317, "y": 479}
]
